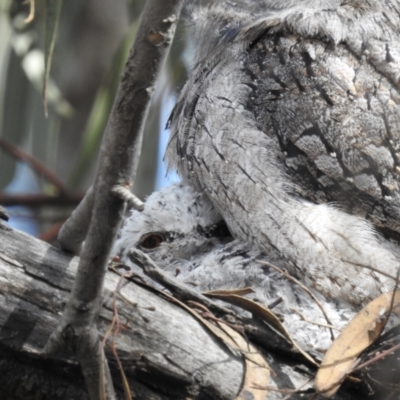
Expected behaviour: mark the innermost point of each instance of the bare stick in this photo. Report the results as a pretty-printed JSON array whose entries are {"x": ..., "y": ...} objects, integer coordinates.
[
  {"x": 179, "y": 289},
  {"x": 308, "y": 291},
  {"x": 75, "y": 228},
  {"x": 313, "y": 322},
  {"x": 40, "y": 200},
  {"x": 35, "y": 164},
  {"x": 118, "y": 161},
  {"x": 370, "y": 268}
]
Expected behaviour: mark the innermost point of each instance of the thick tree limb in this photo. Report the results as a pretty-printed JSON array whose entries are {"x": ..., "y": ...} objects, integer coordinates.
[
  {"x": 158, "y": 339},
  {"x": 165, "y": 352}
]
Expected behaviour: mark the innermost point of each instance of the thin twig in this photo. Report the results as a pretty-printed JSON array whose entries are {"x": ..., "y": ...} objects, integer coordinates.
[
  {"x": 308, "y": 291},
  {"x": 288, "y": 392},
  {"x": 40, "y": 200},
  {"x": 313, "y": 322},
  {"x": 389, "y": 313},
  {"x": 368, "y": 267},
  {"x": 114, "y": 330},
  {"x": 377, "y": 357},
  {"x": 36, "y": 165},
  {"x": 276, "y": 302},
  {"x": 179, "y": 289}
]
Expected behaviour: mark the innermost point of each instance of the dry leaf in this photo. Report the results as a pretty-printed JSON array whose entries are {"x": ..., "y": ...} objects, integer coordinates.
[
  {"x": 262, "y": 313},
  {"x": 238, "y": 292},
  {"x": 362, "y": 330},
  {"x": 257, "y": 371}
]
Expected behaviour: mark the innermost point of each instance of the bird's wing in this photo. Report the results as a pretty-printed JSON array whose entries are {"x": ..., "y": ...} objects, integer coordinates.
[
  {"x": 300, "y": 102},
  {"x": 322, "y": 86}
]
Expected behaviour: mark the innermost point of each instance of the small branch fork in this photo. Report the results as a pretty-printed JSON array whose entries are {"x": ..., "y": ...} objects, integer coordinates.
[{"x": 100, "y": 213}]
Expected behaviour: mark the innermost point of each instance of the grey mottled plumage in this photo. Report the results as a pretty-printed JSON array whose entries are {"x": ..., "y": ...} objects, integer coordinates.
[
  {"x": 290, "y": 124},
  {"x": 181, "y": 231},
  {"x": 288, "y": 130}
]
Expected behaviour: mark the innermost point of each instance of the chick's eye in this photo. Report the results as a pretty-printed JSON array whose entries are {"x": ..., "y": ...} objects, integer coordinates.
[{"x": 151, "y": 241}]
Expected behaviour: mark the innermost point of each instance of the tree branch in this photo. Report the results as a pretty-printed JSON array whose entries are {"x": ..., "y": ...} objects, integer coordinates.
[
  {"x": 118, "y": 161},
  {"x": 37, "y": 166},
  {"x": 75, "y": 228},
  {"x": 159, "y": 344},
  {"x": 40, "y": 200},
  {"x": 165, "y": 352}
]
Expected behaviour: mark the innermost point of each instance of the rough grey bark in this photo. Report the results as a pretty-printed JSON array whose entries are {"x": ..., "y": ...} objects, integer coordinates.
[
  {"x": 73, "y": 234},
  {"x": 159, "y": 339},
  {"x": 165, "y": 352}
]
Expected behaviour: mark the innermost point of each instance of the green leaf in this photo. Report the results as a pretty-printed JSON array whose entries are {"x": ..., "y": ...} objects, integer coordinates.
[{"x": 52, "y": 19}]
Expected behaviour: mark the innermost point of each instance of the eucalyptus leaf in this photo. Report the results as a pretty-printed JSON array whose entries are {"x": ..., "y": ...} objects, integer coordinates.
[{"x": 52, "y": 19}]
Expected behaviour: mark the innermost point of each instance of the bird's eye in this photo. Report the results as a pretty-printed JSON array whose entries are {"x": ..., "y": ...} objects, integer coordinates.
[{"x": 151, "y": 241}]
